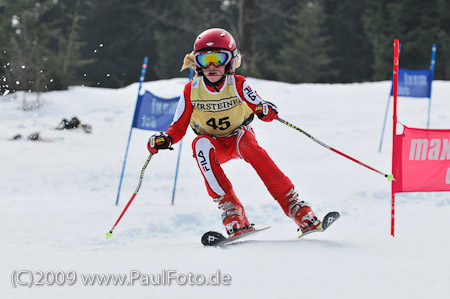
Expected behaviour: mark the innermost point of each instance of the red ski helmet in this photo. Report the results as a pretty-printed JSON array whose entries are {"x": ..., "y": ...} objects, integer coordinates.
[{"x": 217, "y": 40}]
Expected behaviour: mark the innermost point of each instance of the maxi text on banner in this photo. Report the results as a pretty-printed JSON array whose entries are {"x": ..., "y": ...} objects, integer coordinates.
[
  {"x": 421, "y": 160},
  {"x": 154, "y": 113}
]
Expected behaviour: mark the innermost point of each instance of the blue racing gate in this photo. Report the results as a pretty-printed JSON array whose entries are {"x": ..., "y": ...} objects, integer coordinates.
[
  {"x": 413, "y": 84},
  {"x": 151, "y": 113}
]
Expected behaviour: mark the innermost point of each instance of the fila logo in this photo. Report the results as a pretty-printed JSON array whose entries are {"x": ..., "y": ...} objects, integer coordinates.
[
  {"x": 203, "y": 162},
  {"x": 251, "y": 95},
  {"x": 211, "y": 239}
]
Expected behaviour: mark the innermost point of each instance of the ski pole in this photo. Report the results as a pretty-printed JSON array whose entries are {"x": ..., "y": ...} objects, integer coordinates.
[
  {"x": 109, "y": 234},
  {"x": 389, "y": 177}
]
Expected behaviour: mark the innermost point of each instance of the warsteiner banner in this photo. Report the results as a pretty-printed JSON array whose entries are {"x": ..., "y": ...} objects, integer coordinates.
[{"x": 422, "y": 161}]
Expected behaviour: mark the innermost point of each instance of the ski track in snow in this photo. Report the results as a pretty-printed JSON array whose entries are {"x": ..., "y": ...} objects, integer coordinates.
[{"x": 57, "y": 200}]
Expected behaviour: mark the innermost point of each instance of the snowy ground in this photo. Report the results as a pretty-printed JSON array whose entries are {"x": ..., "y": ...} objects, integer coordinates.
[{"x": 57, "y": 201}]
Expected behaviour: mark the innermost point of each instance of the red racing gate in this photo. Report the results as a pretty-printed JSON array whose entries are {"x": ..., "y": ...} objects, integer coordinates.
[{"x": 420, "y": 157}]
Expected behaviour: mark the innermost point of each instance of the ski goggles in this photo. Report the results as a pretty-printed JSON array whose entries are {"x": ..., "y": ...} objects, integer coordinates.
[{"x": 217, "y": 58}]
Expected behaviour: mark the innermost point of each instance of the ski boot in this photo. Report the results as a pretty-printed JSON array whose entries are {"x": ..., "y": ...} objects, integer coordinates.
[
  {"x": 299, "y": 211},
  {"x": 233, "y": 216}
]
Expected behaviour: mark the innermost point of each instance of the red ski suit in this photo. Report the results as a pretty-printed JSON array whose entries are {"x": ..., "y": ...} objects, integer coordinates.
[{"x": 210, "y": 151}]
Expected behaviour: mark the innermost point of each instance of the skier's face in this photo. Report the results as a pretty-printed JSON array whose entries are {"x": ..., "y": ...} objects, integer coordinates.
[{"x": 214, "y": 73}]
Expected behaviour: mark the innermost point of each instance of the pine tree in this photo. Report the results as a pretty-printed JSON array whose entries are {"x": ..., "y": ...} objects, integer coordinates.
[
  {"x": 67, "y": 49},
  {"x": 26, "y": 47},
  {"x": 418, "y": 25},
  {"x": 304, "y": 57},
  {"x": 380, "y": 35},
  {"x": 40, "y": 45}
]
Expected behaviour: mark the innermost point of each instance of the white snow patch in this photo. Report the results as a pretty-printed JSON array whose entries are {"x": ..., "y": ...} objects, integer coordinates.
[{"x": 57, "y": 200}]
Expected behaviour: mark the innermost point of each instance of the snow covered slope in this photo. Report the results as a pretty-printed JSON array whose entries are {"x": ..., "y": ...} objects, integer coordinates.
[{"x": 57, "y": 201}]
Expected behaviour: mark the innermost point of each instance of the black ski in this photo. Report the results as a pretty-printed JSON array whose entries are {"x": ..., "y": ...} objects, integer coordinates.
[
  {"x": 212, "y": 238},
  {"x": 327, "y": 221}
]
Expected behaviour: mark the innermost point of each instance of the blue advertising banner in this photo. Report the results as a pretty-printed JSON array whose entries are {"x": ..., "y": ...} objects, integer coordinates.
[
  {"x": 154, "y": 113},
  {"x": 414, "y": 83}
]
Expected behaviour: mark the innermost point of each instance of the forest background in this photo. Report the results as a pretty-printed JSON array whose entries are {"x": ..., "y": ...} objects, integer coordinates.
[{"x": 54, "y": 44}]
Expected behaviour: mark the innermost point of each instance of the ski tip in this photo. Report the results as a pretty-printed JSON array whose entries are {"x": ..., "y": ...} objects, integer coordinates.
[
  {"x": 212, "y": 238},
  {"x": 333, "y": 214},
  {"x": 329, "y": 219}
]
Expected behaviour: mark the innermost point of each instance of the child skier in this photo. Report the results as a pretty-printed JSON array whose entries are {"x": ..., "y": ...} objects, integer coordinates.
[{"x": 219, "y": 106}]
